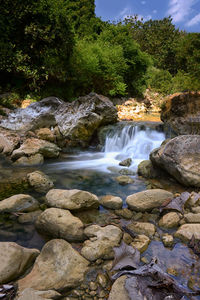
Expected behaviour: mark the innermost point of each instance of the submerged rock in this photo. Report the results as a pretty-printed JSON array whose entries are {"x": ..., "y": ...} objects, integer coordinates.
[
  {"x": 15, "y": 260},
  {"x": 18, "y": 203},
  {"x": 123, "y": 180},
  {"x": 71, "y": 199},
  {"x": 142, "y": 228},
  {"x": 101, "y": 243},
  {"x": 60, "y": 223},
  {"x": 58, "y": 267},
  {"x": 180, "y": 157},
  {"x": 148, "y": 200},
  {"x": 111, "y": 202},
  {"x": 40, "y": 181}
]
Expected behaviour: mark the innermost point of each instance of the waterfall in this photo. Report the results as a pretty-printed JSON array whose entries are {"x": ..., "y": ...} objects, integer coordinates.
[{"x": 124, "y": 140}]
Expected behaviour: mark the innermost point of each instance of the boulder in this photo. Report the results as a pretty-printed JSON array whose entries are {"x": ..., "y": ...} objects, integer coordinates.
[
  {"x": 71, "y": 199},
  {"x": 192, "y": 218},
  {"x": 186, "y": 231},
  {"x": 45, "y": 134},
  {"x": 181, "y": 112},
  {"x": 148, "y": 200},
  {"x": 147, "y": 170},
  {"x": 141, "y": 242},
  {"x": 58, "y": 267},
  {"x": 34, "y": 146},
  {"x": 60, "y": 223},
  {"x": 18, "y": 203},
  {"x": 31, "y": 294},
  {"x": 15, "y": 260},
  {"x": 30, "y": 217},
  {"x": 142, "y": 228},
  {"x": 170, "y": 220},
  {"x": 32, "y": 160},
  {"x": 118, "y": 291},
  {"x": 126, "y": 162},
  {"x": 9, "y": 140},
  {"x": 77, "y": 121},
  {"x": 111, "y": 202},
  {"x": 123, "y": 179},
  {"x": 180, "y": 157},
  {"x": 40, "y": 181},
  {"x": 101, "y": 243}
]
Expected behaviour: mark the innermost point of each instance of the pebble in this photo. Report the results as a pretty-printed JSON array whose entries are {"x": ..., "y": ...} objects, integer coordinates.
[
  {"x": 167, "y": 240},
  {"x": 102, "y": 280},
  {"x": 93, "y": 286}
]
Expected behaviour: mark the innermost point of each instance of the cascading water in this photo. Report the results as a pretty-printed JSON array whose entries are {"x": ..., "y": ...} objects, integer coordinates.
[{"x": 124, "y": 140}]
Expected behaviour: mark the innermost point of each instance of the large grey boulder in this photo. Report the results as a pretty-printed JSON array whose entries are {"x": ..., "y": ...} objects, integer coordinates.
[
  {"x": 101, "y": 243},
  {"x": 77, "y": 121},
  {"x": 18, "y": 203},
  {"x": 15, "y": 260},
  {"x": 180, "y": 157},
  {"x": 71, "y": 199},
  {"x": 148, "y": 200},
  {"x": 60, "y": 223},
  {"x": 58, "y": 267}
]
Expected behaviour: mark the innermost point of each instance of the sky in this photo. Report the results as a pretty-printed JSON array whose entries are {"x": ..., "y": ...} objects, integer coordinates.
[{"x": 185, "y": 13}]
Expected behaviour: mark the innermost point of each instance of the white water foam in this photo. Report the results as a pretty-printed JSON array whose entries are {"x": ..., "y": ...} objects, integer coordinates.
[{"x": 128, "y": 141}]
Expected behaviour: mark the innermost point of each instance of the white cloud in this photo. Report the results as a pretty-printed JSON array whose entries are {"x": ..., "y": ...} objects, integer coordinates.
[
  {"x": 194, "y": 21},
  {"x": 143, "y": 2},
  {"x": 179, "y": 9}
]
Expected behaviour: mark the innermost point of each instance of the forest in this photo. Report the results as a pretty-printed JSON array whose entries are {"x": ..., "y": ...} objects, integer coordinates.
[{"x": 60, "y": 47}]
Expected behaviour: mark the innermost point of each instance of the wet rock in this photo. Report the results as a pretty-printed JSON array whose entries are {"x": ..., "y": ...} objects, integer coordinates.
[
  {"x": 142, "y": 228},
  {"x": 60, "y": 223},
  {"x": 182, "y": 113},
  {"x": 34, "y": 146},
  {"x": 30, "y": 217},
  {"x": 9, "y": 140},
  {"x": 126, "y": 172},
  {"x": 102, "y": 280},
  {"x": 19, "y": 203},
  {"x": 101, "y": 243},
  {"x": 126, "y": 163},
  {"x": 32, "y": 160},
  {"x": 111, "y": 202},
  {"x": 141, "y": 243},
  {"x": 147, "y": 170},
  {"x": 40, "y": 181},
  {"x": 71, "y": 199},
  {"x": 148, "y": 200},
  {"x": 180, "y": 157},
  {"x": 167, "y": 240},
  {"x": 127, "y": 238},
  {"x": 124, "y": 213},
  {"x": 118, "y": 291},
  {"x": 186, "y": 231},
  {"x": 15, "y": 260},
  {"x": 31, "y": 294},
  {"x": 170, "y": 220},
  {"x": 57, "y": 267},
  {"x": 123, "y": 180},
  {"x": 45, "y": 134},
  {"x": 192, "y": 218}
]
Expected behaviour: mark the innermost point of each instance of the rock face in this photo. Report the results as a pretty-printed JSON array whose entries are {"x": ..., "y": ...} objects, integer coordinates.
[
  {"x": 71, "y": 199},
  {"x": 148, "y": 200},
  {"x": 101, "y": 243},
  {"x": 77, "y": 121},
  {"x": 19, "y": 203},
  {"x": 15, "y": 260},
  {"x": 111, "y": 202},
  {"x": 57, "y": 267},
  {"x": 186, "y": 231},
  {"x": 182, "y": 113},
  {"x": 34, "y": 146},
  {"x": 180, "y": 157},
  {"x": 40, "y": 181},
  {"x": 60, "y": 223}
]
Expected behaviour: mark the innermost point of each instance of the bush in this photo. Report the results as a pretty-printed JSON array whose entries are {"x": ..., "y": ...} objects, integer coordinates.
[{"x": 160, "y": 81}]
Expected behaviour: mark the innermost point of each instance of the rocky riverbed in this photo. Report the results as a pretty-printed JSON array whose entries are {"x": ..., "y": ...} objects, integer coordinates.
[{"x": 62, "y": 241}]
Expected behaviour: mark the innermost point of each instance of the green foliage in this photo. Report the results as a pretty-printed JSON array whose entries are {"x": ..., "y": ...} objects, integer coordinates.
[
  {"x": 9, "y": 100},
  {"x": 35, "y": 40},
  {"x": 160, "y": 80},
  {"x": 185, "y": 82}
]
